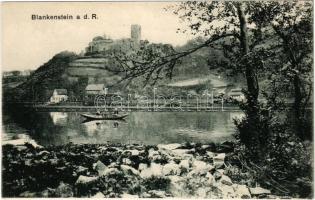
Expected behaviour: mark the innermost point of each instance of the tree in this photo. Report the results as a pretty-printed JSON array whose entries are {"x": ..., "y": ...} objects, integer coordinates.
[
  {"x": 290, "y": 25},
  {"x": 225, "y": 24},
  {"x": 241, "y": 31}
]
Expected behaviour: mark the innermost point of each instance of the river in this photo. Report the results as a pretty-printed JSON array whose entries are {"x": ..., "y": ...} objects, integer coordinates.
[{"x": 57, "y": 128}]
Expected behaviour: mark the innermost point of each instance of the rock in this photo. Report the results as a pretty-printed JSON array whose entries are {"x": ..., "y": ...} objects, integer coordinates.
[
  {"x": 98, "y": 195},
  {"x": 154, "y": 170},
  {"x": 64, "y": 190},
  {"x": 221, "y": 171},
  {"x": 21, "y": 147},
  {"x": 126, "y": 161},
  {"x": 201, "y": 193},
  {"x": 53, "y": 161},
  {"x": 99, "y": 167},
  {"x": 210, "y": 154},
  {"x": 28, "y": 162},
  {"x": 113, "y": 165},
  {"x": 217, "y": 175},
  {"x": 259, "y": 191},
  {"x": 45, "y": 194},
  {"x": 129, "y": 196},
  {"x": 242, "y": 191},
  {"x": 133, "y": 152},
  {"x": 171, "y": 169},
  {"x": 43, "y": 153},
  {"x": 33, "y": 143},
  {"x": 157, "y": 194},
  {"x": 218, "y": 161},
  {"x": 27, "y": 194},
  {"x": 153, "y": 154},
  {"x": 227, "y": 191},
  {"x": 205, "y": 146},
  {"x": 109, "y": 171},
  {"x": 220, "y": 156},
  {"x": 180, "y": 152},
  {"x": 145, "y": 195},
  {"x": 85, "y": 180},
  {"x": 177, "y": 187},
  {"x": 169, "y": 146},
  {"x": 210, "y": 178},
  {"x": 129, "y": 170},
  {"x": 226, "y": 180},
  {"x": 142, "y": 166},
  {"x": 201, "y": 167},
  {"x": 184, "y": 165},
  {"x": 81, "y": 169}
]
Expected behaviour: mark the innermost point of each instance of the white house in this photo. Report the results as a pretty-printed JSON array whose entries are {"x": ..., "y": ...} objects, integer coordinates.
[
  {"x": 237, "y": 94},
  {"x": 59, "y": 95},
  {"x": 94, "y": 89}
]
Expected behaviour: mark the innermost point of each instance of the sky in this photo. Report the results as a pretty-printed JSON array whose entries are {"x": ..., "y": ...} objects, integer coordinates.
[{"x": 27, "y": 44}]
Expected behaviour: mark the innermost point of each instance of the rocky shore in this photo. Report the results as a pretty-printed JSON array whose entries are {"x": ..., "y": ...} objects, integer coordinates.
[{"x": 123, "y": 170}]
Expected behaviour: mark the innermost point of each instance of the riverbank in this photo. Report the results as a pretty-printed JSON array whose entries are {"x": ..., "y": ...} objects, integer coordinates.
[{"x": 119, "y": 170}]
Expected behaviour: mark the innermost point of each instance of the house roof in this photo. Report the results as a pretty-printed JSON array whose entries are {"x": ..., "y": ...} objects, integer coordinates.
[
  {"x": 61, "y": 91},
  {"x": 94, "y": 87}
]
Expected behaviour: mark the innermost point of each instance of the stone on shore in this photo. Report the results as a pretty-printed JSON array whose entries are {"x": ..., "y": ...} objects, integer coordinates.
[
  {"x": 218, "y": 160},
  {"x": 171, "y": 169},
  {"x": 153, "y": 170},
  {"x": 109, "y": 171},
  {"x": 98, "y": 195},
  {"x": 129, "y": 196},
  {"x": 242, "y": 191},
  {"x": 259, "y": 191},
  {"x": 142, "y": 166},
  {"x": 129, "y": 170},
  {"x": 64, "y": 190},
  {"x": 184, "y": 165},
  {"x": 133, "y": 152},
  {"x": 85, "y": 180},
  {"x": 99, "y": 167},
  {"x": 169, "y": 146},
  {"x": 201, "y": 167},
  {"x": 226, "y": 180}
]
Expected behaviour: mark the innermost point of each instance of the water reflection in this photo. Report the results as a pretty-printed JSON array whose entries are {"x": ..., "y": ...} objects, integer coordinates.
[
  {"x": 139, "y": 127},
  {"x": 59, "y": 118}
]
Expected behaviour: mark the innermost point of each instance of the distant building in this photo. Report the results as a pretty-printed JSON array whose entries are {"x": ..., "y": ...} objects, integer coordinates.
[
  {"x": 99, "y": 44},
  {"x": 236, "y": 94},
  {"x": 59, "y": 95},
  {"x": 7, "y": 74},
  {"x": 104, "y": 43},
  {"x": 26, "y": 73},
  {"x": 95, "y": 89},
  {"x": 135, "y": 32},
  {"x": 16, "y": 73}
]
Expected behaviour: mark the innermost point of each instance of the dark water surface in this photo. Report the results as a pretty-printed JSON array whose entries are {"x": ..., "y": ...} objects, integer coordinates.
[{"x": 56, "y": 128}]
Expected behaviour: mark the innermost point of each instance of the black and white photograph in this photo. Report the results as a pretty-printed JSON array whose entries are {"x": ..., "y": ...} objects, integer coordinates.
[{"x": 157, "y": 99}]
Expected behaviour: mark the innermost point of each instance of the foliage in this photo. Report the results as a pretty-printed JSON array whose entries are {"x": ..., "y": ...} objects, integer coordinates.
[{"x": 45, "y": 79}]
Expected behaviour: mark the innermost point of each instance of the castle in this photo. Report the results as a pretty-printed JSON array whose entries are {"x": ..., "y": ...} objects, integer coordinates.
[{"x": 101, "y": 44}]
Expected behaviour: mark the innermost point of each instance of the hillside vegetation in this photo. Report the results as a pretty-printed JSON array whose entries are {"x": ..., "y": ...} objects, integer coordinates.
[{"x": 72, "y": 72}]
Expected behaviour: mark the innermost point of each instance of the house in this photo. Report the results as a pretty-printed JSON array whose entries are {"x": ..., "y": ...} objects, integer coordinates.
[
  {"x": 95, "y": 89},
  {"x": 59, "y": 95},
  {"x": 237, "y": 94}
]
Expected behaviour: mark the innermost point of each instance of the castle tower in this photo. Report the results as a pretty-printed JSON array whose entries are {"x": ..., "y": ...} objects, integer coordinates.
[{"x": 136, "y": 32}]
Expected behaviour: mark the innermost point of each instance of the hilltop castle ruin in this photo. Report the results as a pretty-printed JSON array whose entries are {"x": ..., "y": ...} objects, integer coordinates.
[{"x": 103, "y": 43}]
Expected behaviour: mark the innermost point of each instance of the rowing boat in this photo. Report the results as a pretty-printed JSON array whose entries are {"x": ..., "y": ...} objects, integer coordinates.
[{"x": 104, "y": 116}]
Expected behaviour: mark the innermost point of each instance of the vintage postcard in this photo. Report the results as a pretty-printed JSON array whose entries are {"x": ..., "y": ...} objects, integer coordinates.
[{"x": 192, "y": 99}]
